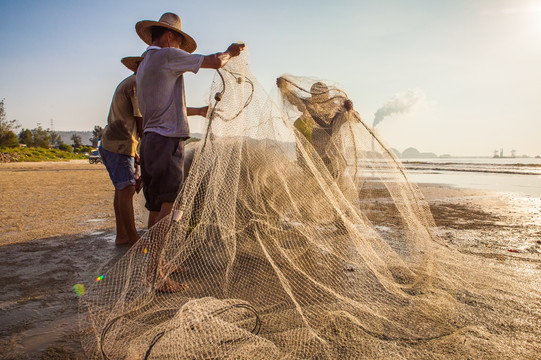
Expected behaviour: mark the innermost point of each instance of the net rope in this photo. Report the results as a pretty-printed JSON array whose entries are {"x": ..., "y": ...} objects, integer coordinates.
[{"x": 298, "y": 236}]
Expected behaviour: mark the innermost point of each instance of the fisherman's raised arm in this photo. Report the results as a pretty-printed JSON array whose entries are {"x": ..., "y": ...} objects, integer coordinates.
[
  {"x": 218, "y": 60},
  {"x": 201, "y": 111}
]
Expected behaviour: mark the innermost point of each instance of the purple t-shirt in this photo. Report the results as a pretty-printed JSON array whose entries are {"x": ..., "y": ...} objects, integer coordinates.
[{"x": 160, "y": 90}]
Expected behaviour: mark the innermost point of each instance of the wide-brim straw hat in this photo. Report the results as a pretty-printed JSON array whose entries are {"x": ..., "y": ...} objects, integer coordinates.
[
  {"x": 132, "y": 62},
  {"x": 169, "y": 21}
]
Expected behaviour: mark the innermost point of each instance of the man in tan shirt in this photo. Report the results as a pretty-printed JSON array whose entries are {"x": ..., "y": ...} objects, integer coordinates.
[{"x": 118, "y": 150}]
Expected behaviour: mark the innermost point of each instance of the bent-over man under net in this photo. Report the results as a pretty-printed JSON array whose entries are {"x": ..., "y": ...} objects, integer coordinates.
[{"x": 298, "y": 236}]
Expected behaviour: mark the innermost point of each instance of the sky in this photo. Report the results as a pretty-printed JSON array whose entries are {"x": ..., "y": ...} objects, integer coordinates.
[{"x": 474, "y": 66}]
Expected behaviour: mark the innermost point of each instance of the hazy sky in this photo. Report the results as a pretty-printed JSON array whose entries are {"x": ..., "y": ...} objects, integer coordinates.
[{"x": 476, "y": 64}]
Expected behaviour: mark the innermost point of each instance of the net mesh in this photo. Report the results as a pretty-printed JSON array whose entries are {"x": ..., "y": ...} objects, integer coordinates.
[{"x": 298, "y": 236}]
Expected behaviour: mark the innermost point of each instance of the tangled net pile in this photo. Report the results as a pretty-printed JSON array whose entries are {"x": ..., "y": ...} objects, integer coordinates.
[{"x": 304, "y": 244}]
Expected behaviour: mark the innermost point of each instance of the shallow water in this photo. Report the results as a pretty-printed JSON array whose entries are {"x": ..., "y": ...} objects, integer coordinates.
[
  {"x": 529, "y": 185},
  {"x": 527, "y": 166}
]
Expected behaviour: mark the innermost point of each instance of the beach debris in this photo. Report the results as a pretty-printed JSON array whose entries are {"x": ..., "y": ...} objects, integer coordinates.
[{"x": 513, "y": 250}]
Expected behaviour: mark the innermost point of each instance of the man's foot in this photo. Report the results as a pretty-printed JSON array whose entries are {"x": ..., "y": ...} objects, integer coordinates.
[
  {"x": 121, "y": 241},
  {"x": 125, "y": 241}
]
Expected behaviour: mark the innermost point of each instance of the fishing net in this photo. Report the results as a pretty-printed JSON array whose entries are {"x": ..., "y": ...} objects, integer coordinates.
[{"x": 298, "y": 236}]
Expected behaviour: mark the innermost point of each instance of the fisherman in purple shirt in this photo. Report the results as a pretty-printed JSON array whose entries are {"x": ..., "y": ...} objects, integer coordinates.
[{"x": 162, "y": 101}]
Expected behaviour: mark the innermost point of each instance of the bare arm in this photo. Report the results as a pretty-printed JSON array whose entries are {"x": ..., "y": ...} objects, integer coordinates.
[
  {"x": 286, "y": 89},
  {"x": 218, "y": 60},
  {"x": 202, "y": 111},
  {"x": 139, "y": 126}
]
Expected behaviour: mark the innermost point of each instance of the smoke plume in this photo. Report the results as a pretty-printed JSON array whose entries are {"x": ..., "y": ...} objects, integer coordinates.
[{"x": 399, "y": 104}]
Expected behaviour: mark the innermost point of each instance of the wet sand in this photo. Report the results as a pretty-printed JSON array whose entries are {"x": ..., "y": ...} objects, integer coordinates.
[
  {"x": 57, "y": 231},
  {"x": 50, "y": 199}
]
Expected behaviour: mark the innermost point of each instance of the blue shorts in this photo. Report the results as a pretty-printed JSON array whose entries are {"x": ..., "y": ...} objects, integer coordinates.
[{"x": 121, "y": 168}]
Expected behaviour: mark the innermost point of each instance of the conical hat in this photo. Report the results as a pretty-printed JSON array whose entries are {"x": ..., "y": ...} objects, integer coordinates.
[{"x": 132, "y": 62}]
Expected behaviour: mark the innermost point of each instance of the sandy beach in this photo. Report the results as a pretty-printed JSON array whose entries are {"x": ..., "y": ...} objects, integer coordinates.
[
  {"x": 50, "y": 199},
  {"x": 58, "y": 231}
]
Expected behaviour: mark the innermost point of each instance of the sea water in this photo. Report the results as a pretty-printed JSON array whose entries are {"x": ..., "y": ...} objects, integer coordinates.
[{"x": 517, "y": 175}]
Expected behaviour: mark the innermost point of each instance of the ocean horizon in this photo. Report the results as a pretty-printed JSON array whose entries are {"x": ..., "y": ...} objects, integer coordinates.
[{"x": 517, "y": 175}]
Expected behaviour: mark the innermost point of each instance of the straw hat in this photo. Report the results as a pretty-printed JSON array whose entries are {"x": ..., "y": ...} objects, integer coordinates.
[
  {"x": 169, "y": 21},
  {"x": 132, "y": 62}
]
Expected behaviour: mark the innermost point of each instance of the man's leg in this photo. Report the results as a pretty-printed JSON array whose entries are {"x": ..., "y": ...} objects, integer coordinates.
[
  {"x": 165, "y": 210},
  {"x": 125, "y": 205},
  {"x": 121, "y": 234},
  {"x": 121, "y": 171},
  {"x": 152, "y": 216},
  {"x": 162, "y": 173},
  {"x": 163, "y": 283},
  {"x": 155, "y": 216}
]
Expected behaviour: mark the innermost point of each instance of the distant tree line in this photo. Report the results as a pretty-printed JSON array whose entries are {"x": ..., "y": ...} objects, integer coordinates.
[
  {"x": 40, "y": 137},
  {"x": 7, "y": 134}
]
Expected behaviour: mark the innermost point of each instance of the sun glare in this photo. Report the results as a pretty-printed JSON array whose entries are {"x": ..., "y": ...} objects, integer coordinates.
[{"x": 537, "y": 18}]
